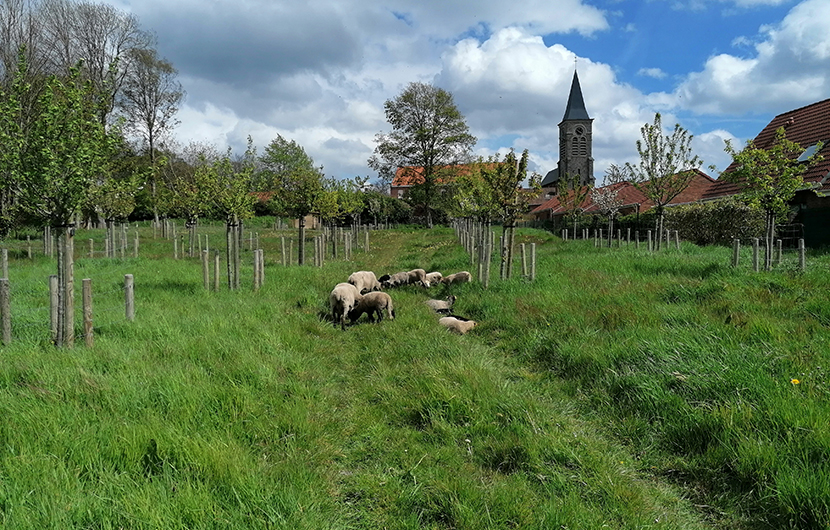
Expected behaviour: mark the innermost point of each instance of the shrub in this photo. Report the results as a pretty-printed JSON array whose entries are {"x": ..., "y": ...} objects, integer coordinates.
[{"x": 716, "y": 222}]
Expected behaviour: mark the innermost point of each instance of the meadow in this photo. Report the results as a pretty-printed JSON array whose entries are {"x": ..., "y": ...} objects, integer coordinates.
[{"x": 621, "y": 389}]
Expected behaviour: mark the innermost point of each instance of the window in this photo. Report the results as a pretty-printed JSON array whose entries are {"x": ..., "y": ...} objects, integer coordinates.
[{"x": 810, "y": 151}]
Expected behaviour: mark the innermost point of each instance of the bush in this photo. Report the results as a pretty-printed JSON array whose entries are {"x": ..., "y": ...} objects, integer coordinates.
[{"x": 715, "y": 222}]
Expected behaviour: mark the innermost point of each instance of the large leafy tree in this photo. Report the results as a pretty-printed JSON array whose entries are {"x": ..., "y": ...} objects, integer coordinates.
[
  {"x": 769, "y": 178},
  {"x": 429, "y": 138},
  {"x": 296, "y": 184},
  {"x": 149, "y": 101},
  {"x": 666, "y": 167}
]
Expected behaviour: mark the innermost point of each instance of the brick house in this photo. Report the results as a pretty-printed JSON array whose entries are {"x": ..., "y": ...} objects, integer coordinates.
[{"x": 807, "y": 126}]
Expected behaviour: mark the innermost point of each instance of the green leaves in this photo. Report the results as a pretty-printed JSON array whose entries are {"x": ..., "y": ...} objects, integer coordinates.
[{"x": 770, "y": 177}]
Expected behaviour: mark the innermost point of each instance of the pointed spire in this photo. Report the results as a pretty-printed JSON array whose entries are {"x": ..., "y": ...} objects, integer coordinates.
[{"x": 576, "y": 105}]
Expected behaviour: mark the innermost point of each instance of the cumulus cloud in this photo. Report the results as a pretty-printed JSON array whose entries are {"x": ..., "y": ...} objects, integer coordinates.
[{"x": 790, "y": 67}]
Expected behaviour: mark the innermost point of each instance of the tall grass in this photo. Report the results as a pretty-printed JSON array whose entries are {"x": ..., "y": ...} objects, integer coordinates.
[{"x": 620, "y": 389}]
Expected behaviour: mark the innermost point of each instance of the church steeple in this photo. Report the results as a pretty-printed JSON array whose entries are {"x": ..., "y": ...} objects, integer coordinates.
[
  {"x": 576, "y": 140},
  {"x": 576, "y": 105}
]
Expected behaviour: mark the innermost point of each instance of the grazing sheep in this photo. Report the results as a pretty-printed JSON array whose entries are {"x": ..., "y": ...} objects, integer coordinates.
[
  {"x": 394, "y": 280},
  {"x": 441, "y": 306},
  {"x": 458, "y": 277},
  {"x": 374, "y": 304},
  {"x": 364, "y": 281},
  {"x": 434, "y": 278},
  {"x": 457, "y": 325},
  {"x": 343, "y": 298},
  {"x": 418, "y": 276}
]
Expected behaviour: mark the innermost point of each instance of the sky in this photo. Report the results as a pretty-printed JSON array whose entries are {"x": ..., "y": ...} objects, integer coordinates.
[{"x": 319, "y": 71}]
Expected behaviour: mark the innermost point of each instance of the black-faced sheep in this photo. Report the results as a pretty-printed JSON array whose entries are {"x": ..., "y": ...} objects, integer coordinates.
[
  {"x": 364, "y": 281},
  {"x": 394, "y": 280},
  {"x": 374, "y": 304},
  {"x": 434, "y": 278},
  {"x": 458, "y": 277},
  {"x": 343, "y": 298},
  {"x": 457, "y": 325},
  {"x": 441, "y": 306}
]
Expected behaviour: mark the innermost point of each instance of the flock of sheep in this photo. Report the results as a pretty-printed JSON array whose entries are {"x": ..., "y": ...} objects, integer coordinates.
[{"x": 363, "y": 293}]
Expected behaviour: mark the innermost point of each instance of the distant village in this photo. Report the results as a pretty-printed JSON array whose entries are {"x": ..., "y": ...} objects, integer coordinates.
[{"x": 807, "y": 126}]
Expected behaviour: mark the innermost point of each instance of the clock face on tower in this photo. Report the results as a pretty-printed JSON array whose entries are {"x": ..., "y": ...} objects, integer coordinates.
[{"x": 579, "y": 131}]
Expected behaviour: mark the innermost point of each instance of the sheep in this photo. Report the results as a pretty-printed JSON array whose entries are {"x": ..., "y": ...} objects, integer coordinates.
[
  {"x": 458, "y": 277},
  {"x": 418, "y": 276},
  {"x": 343, "y": 298},
  {"x": 457, "y": 325},
  {"x": 365, "y": 281},
  {"x": 373, "y": 304},
  {"x": 441, "y": 306},
  {"x": 394, "y": 280},
  {"x": 434, "y": 278}
]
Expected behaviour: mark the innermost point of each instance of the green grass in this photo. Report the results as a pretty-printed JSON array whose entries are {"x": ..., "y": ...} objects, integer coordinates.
[{"x": 622, "y": 388}]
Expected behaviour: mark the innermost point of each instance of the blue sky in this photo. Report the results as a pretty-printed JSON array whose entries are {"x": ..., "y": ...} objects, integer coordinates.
[{"x": 319, "y": 71}]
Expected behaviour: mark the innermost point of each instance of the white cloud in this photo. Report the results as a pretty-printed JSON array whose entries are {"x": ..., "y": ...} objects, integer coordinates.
[
  {"x": 790, "y": 67},
  {"x": 655, "y": 73}
]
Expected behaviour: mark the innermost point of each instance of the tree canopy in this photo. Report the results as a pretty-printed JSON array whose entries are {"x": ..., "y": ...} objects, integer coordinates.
[
  {"x": 429, "y": 138},
  {"x": 666, "y": 167}
]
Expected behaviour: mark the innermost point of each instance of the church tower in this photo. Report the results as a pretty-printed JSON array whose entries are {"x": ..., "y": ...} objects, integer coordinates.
[{"x": 575, "y": 139}]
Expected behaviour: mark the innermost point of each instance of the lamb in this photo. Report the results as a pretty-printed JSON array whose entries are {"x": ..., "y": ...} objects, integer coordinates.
[
  {"x": 458, "y": 277},
  {"x": 434, "y": 277},
  {"x": 441, "y": 306},
  {"x": 365, "y": 281},
  {"x": 457, "y": 325},
  {"x": 418, "y": 276},
  {"x": 343, "y": 298},
  {"x": 374, "y": 304},
  {"x": 394, "y": 280}
]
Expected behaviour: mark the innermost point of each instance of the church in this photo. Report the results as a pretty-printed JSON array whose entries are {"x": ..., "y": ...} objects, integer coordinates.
[{"x": 575, "y": 144}]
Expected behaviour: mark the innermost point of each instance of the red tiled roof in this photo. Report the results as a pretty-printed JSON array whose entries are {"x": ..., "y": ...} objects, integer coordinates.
[
  {"x": 631, "y": 196},
  {"x": 411, "y": 175},
  {"x": 805, "y": 126}
]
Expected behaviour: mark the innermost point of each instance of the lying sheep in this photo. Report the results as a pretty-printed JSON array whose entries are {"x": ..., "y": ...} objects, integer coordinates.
[
  {"x": 441, "y": 306},
  {"x": 458, "y": 277},
  {"x": 394, "y": 280},
  {"x": 434, "y": 278},
  {"x": 374, "y": 304},
  {"x": 343, "y": 298},
  {"x": 364, "y": 281},
  {"x": 457, "y": 325}
]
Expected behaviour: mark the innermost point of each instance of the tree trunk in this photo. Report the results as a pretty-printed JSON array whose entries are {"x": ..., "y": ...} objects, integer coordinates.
[
  {"x": 301, "y": 242},
  {"x": 658, "y": 239},
  {"x": 510, "y": 240}
]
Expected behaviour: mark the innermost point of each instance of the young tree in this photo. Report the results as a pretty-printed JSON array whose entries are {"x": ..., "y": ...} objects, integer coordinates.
[
  {"x": 666, "y": 166},
  {"x": 232, "y": 199},
  {"x": 297, "y": 185},
  {"x": 60, "y": 155},
  {"x": 429, "y": 139},
  {"x": 504, "y": 182},
  {"x": 572, "y": 197},
  {"x": 769, "y": 178},
  {"x": 609, "y": 204}
]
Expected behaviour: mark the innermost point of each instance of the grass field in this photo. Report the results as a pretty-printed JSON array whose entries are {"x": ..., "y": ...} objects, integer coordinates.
[{"x": 621, "y": 389}]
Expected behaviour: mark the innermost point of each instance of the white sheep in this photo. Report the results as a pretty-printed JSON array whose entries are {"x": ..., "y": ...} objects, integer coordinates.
[
  {"x": 458, "y": 277},
  {"x": 343, "y": 298},
  {"x": 434, "y": 277},
  {"x": 364, "y": 281},
  {"x": 441, "y": 306},
  {"x": 457, "y": 325},
  {"x": 374, "y": 304}
]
